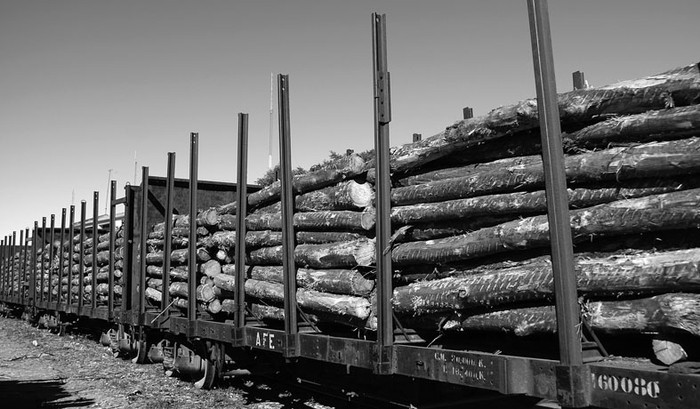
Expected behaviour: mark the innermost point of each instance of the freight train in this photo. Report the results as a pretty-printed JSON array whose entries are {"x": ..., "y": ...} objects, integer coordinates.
[{"x": 424, "y": 266}]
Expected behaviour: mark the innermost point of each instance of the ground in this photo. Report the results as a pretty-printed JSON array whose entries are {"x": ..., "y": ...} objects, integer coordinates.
[{"x": 41, "y": 369}]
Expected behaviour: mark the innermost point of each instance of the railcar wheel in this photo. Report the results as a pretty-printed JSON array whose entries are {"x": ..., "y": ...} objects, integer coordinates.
[
  {"x": 212, "y": 360},
  {"x": 141, "y": 352}
]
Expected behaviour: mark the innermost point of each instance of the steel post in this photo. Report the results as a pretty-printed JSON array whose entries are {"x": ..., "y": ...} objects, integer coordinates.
[
  {"x": 142, "y": 245},
  {"x": 95, "y": 240},
  {"x": 81, "y": 256},
  {"x": 49, "y": 280},
  {"x": 32, "y": 278},
  {"x": 167, "y": 238},
  {"x": 382, "y": 117},
  {"x": 555, "y": 185},
  {"x": 61, "y": 260},
  {"x": 192, "y": 255},
  {"x": 71, "y": 234},
  {"x": 291, "y": 326},
  {"x": 22, "y": 283},
  {"x": 112, "y": 240},
  {"x": 43, "y": 256},
  {"x": 241, "y": 212}
]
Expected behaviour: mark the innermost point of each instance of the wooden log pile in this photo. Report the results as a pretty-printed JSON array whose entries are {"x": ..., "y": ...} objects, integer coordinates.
[{"x": 471, "y": 230}]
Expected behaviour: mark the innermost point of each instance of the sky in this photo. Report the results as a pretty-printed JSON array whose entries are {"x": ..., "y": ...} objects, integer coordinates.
[{"x": 90, "y": 88}]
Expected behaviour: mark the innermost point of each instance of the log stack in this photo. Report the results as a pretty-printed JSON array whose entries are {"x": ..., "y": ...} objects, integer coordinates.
[{"x": 469, "y": 213}]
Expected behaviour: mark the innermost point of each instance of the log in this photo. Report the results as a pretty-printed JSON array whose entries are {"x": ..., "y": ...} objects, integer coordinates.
[
  {"x": 333, "y": 255},
  {"x": 335, "y": 281},
  {"x": 176, "y": 273},
  {"x": 667, "y": 351},
  {"x": 528, "y": 203},
  {"x": 177, "y": 257},
  {"x": 211, "y": 268},
  {"x": 177, "y": 243},
  {"x": 346, "y": 168},
  {"x": 680, "y": 85},
  {"x": 179, "y": 289},
  {"x": 652, "y": 213},
  {"x": 651, "y": 160},
  {"x": 664, "y": 124},
  {"x": 665, "y": 313},
  {"x": 636, "y": 274},
  {"x": 348, "y": 195},
  {"x": 159, "y": 230},
  {"x": 343, "y": 307},
  {"x": 333, "y": 220},
  {"x": 269, "y": 238},
  {"x": 462, "y": 171}
]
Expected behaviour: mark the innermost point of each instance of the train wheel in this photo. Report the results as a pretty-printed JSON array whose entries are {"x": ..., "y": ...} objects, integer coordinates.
[
  {"x": 141, "y": 351},
  {"x": 212, "y": 362},
  {"x": 169, "y": 348}
]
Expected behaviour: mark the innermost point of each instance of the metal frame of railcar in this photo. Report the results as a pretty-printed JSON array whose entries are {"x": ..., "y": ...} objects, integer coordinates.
[{"x": 570, "y": 381}]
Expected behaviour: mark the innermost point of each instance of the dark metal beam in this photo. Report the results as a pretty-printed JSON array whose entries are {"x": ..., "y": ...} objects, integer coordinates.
[
  {"x": 81, "y": 256},
  {"x": 49, "y": 296},
  {"x": 95, "y": 239},
  {"x": 555, "y": 185},
  {"x": 71, "y": 234},
  {"x": 168, "y": 239},
  {"x": 192, "y": 260},
  {"x": 241, "y": 212},
  {"x": 291, "y": 326},
  {"x": 43, "y": 256},
  {"x": 142, "y": 245},
  {"x": 62, "y": 259},
  {"x": 32, "y": 278},
  {"x": 382, "y": 117},
  {"x": 112, "y": 241},
  {"x": 579, "y": 80}
]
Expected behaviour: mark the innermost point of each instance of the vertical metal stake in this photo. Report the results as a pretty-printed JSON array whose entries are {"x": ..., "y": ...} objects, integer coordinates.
[
  {"x": 291, "y": 326},
  {"x": 71, "y": 234},
  {"x": 81, "y": 256},
  {"x": 567, "y": 309},
  {"x": 144, "y": 235},
  {"x": 241, "y": 212},
  {"x": 95, "y": 240},
  {"x": 49, "y": 280},
  {"x": 112, "y": 240},
  {"x": 168, "y": 239},
  {"x": 192, "y": 265},
  {"x": 43, "y": 256},
  {"x": 62, "y": 259},
  {"x": 382, "y": 117}
]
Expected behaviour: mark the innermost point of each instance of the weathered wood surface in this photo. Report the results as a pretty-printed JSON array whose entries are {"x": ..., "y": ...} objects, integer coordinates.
[
  {"x": 665, "y": 124},
  {"x": 332, "y": 220},
  {"x": 619, "y": 275},
  {"x": 680, "y": 86},
  {"x": 336, "y": 281},
  {"x": 667, "y": 351},
  {"x": 178, "y": 273},
  {"x": 159, "y": 230},
  {"x": 348, "y": 195},
  {"x": 268, "y": 238},
  {"x": 529, "y": 203},
  {"x": 344, "y": 169},
  {"x": 652, "y": 213},
  {"x": 650, "y": 160},
  {"x": 341, "y": 306},
  {"x": 177, "y": 257},
  {"x": 657, "y": 125},
  {"x": 662, "y": 313},
  {"x": 348, "y": 254}
]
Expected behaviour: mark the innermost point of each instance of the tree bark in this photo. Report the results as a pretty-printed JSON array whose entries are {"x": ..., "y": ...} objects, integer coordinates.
[
  {"x": 663, "y": 313},
  {"x": 652, "y": 213},
  {"x": 176, "y": 273},
  {"x": 333, "y": 220},
  {"x": 348, "y": 195},
  {"x": 680, "y": 85},
  {"x": 615, "y": 276},
  {"x": 335, "y": 281},
  {"x": 346, "y": 168},
  {"x": 343, "y": 307},
  {"x": 651, "y": 160},
  {"x": 529, "y": 203},
  {"x": 333, "y": 255}
]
